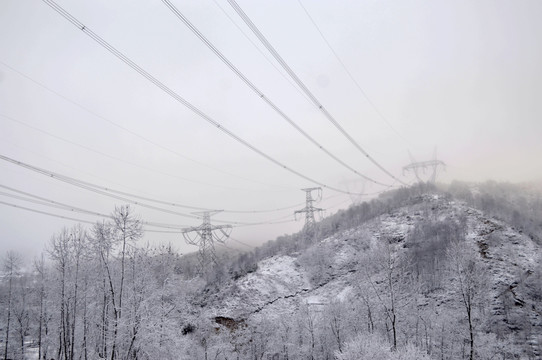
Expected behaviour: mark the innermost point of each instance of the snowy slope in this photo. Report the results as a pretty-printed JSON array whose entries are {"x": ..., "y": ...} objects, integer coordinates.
[
  {"x": 277, "y": 279},
  {"x": 281, "y": 285}
]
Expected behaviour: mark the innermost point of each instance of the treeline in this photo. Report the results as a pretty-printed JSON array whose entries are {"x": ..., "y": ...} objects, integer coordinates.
[
  {"x": 354, "y": 216},
  {"x": 519, "y": 205},
  {"x": 95, "y": 294}
]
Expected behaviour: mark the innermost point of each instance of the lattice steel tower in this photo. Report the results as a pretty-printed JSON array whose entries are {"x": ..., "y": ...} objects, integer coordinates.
[
  {"x": 432, "y": 165},
  {"x": 204, "y": 238},
  {"x": 309, "y": 209}
]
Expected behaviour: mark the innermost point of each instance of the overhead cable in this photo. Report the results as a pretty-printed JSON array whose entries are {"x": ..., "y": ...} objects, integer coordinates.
[
  {"x": 63, "y": 206},
  {"x": 63, "y": 217},
  {"x": 46, "y": 213},
  {"x": 298, "y": 81},
  {"x": 73, "y": 102},
  {"x": 260, "y": 94},
  {"x": 69, "y": 180},
  {"x": 242, "y": 243},
  {"x": 104, "y": 192},
  {"x": 50, "y": 203},
  {"x": 177, "y": 97},
  {"x": 148, "y": 198},
  {"x": 109, "y": 155},
  {"x": 163, "y": 202},
  {"x": 260, "y": 50},
  {"x": 377, "y": 111}
]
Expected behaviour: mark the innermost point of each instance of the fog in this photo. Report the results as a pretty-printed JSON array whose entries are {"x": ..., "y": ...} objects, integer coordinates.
[{"x": 460, "y": 77}]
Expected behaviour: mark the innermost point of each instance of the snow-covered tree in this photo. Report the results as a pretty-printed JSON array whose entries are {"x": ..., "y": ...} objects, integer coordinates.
[
  {"x": 11, "y": 265},
  {"x": 374, "y": 347},
  {"x": 469, "y": 281}
]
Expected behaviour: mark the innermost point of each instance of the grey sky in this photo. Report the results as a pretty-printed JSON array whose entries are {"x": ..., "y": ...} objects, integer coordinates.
[{"x": 464, "y": 76}]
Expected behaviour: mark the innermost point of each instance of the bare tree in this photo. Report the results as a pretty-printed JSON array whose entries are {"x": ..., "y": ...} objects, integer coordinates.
[
  {"x": 40, "y": 269},
  {"x": 66, "y": 250},
  {"x": 102, "y": 246},
  {"x": 308, "y": 322},
  {"x": 335, "y": 315},
  {"x": 373, "y": 347},
  {"x": 468, "y": 273},
  {"x": 11, "y": 266},
  {"x": 389, "y": 275},
  {"x": 113, "y": 244},
  {"x": 78, "y": 237},
  {"x": 127, "y": 229},
  {"x": 21, "y": 313}
]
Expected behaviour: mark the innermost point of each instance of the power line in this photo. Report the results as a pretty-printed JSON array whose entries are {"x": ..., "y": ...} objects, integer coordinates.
[
  {"x": 260, "y": 51},
  {"x": 174, "y": 204},
  {"x": 176, "y": 96},
  {"x": 268, "y": 222},
  {"x": 155, "y": 200},
  {"x": 64, "y": 217},
  {"x": 176, "y": 229},
  {"x": 50, "y": 203},
  {"x": 242, "y": 243},
  {"x": 46, "y": 213},
  {"x": 74, "y": 182},
  {"x": 338, "y": 204},
  {"x": 109, "y": 155},
  {"x": 75, "y": 209},
  {"x": 298, "y": 81},
  {"x": 260, "y": 94},
  {"x": 227, "y": 247},
  {"x": 105, "y": 192},
  {"x": 73, "y": 102},
  {"x": 378, "y": 112},
  {"x": 55, "y": 160},
  {"x": 63, "y": 206},
  {"x": 163, "y": 202}
]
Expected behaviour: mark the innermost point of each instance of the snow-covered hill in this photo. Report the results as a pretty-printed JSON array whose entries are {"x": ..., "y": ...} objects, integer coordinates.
[{"x": 352, "y": 268}]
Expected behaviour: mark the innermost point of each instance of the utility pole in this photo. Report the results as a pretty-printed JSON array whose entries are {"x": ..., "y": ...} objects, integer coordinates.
[
  {"x": 432, "y": 165},
  {"x": 309, "y": 210},
  {"x": 204, "y": 237}
]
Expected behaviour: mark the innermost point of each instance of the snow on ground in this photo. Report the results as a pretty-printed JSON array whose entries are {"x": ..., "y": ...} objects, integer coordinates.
[{"x": 277, "y": 278}]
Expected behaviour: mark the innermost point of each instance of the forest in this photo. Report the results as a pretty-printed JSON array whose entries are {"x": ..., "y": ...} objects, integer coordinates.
[{"x": 424, "y": 272}]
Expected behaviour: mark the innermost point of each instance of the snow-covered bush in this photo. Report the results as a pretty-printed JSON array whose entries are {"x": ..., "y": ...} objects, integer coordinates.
[{"x": 372, "y": 346}]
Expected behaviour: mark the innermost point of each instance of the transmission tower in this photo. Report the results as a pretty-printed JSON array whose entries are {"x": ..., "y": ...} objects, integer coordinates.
[
  {"x": 204, "y": 237},
  {"x": 422, "y": 166},
  {"x": 309, "y": 210}
]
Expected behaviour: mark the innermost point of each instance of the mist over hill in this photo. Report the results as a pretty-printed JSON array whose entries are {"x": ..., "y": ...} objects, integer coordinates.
[{"x": 424, "y": 272}]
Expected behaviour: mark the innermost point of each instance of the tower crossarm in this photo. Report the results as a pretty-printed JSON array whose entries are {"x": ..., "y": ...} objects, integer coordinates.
[{"x": 422, "y": 164}]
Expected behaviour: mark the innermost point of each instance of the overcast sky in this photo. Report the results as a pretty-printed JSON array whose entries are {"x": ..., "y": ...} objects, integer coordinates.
[{"x": 461, "y": 76}]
